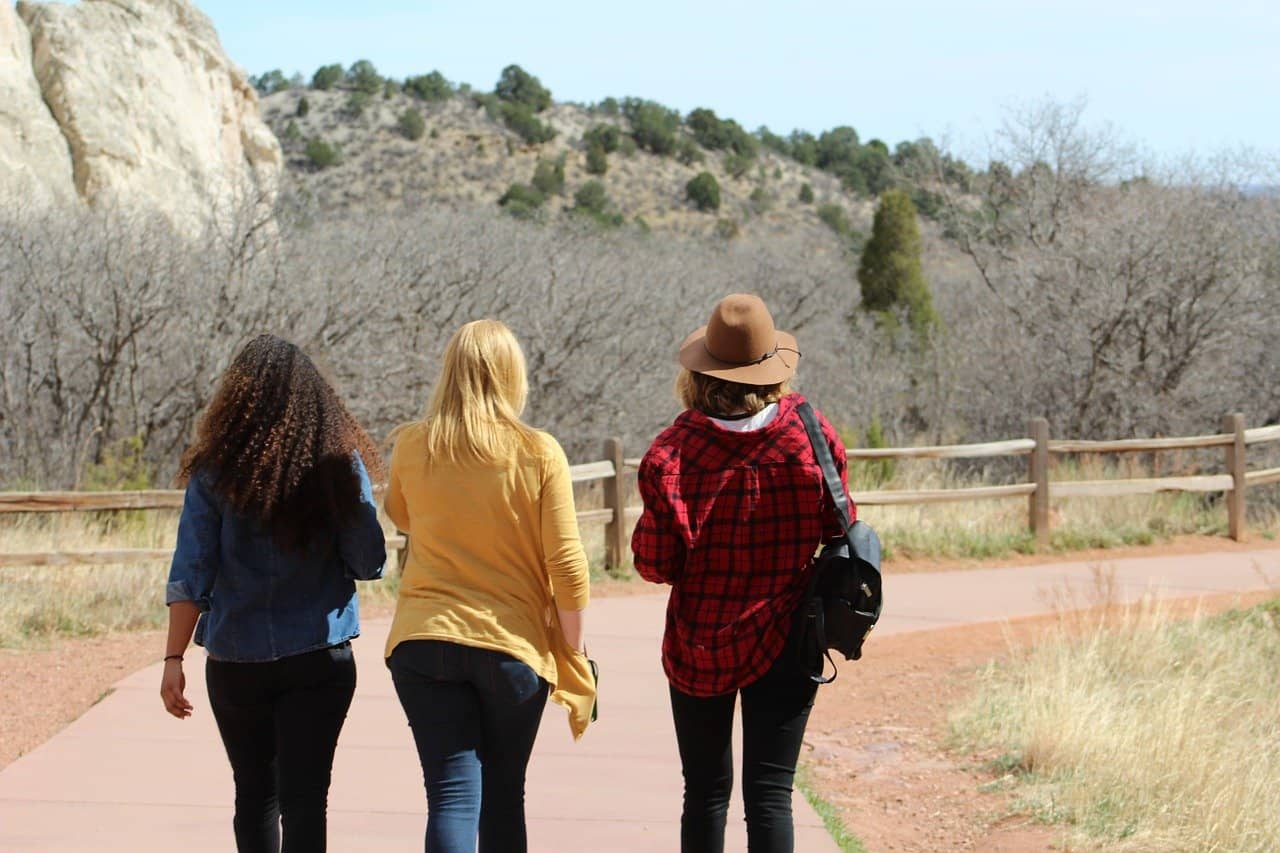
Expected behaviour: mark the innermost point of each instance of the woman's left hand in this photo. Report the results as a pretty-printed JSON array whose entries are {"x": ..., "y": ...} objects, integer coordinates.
[{"x": 173, "y": 687}]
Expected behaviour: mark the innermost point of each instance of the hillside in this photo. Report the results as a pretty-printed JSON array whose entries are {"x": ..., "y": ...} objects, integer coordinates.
[{"x": 465, "y": 158}]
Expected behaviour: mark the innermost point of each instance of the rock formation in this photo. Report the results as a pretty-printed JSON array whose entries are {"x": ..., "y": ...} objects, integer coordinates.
[
  {"x": 35, "y": 164},
  {"x": 148, "y": 112}
]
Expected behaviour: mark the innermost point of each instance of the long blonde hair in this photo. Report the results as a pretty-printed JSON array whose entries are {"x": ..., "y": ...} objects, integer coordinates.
[{"x": 474, "y": 412}]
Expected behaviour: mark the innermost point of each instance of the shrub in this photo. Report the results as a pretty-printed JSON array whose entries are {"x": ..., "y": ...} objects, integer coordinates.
[
  {"x": 653, "y": 126},
  {"x": 429, "y": 87},
  {"x": 321, "y": 154},
  {"x": 597, "y": 159},
  {"x": 121, "y": 466},
  {"x": 520, "y": 87},
  {"x": 591, "y": 197},
  {"x": 357, "y": 103},
  {"x": 806, "y": 194},
  {"x": 304, "y": 107},
  {"x": 607, "y": 136},
  {"x": 364, "y": 77},
  {"x": 627, "y": 146},
  {"x": 412, "y": 125},
  {"x": 836, "y": 219},
  {"x": 291, "y": 132},
  {"x": 727, "y": 229},
  {"x": 737, "y": 165},
  {"x": 520, "y": 119},
  {"x": 592, "y": 201},
  {"x": 836, "y": 149},
  {"x": 522, "y": 201},
  {"x": 688, "y": 152},
  {"x": 874, "y": 473},
  {"x": 804, "y": 148},
  {"x": 704, "y": 191},
  {"x": 270, "y": 82},
  {"x": 326, "y": 77},
  {"x": 761, "y": 200},
  {"x": 773, "y": 141},
  {"x": 389, "y": 89},
  {"x": 717, "y": 134},
  {"x": 548, "y": 176}
]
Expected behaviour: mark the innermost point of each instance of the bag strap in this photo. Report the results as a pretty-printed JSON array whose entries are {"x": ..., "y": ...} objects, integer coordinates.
[{"x": 822, "y": 452}]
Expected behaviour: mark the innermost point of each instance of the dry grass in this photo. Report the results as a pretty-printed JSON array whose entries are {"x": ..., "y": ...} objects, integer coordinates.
[
  {"x": 1144, "y": 732},
  {"x": 39, "y": 602},
  {"x": 996, "y": 528}
]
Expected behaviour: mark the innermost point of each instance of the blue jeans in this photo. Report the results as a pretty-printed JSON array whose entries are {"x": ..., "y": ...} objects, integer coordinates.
[{"x": 474, "y": 715}]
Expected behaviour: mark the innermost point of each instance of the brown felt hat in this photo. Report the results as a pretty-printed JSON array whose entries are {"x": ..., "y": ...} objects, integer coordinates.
[{"x": 740, "y": 344}]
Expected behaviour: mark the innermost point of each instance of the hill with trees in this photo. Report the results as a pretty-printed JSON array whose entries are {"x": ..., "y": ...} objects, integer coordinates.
[{"x": 354, "y": 139}]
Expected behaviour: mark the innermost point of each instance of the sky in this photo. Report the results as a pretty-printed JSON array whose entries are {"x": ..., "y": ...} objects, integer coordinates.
[{"x": 1173, "y": 77}]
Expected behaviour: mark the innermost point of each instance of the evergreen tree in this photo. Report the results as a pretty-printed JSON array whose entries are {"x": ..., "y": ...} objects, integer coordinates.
[
  {"x": 364, "y": 77},
  {"x": 327, "y": 76},
  {"x": 890, "y": 272},
  {"x": 521, "y": 87}
]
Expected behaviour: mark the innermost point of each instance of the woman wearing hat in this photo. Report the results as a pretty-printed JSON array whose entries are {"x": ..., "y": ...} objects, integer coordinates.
[{"x": 734, "y": 509}]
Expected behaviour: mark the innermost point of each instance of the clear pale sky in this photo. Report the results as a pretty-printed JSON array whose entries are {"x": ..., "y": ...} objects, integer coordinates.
[{"x": 1173, "y": 76}]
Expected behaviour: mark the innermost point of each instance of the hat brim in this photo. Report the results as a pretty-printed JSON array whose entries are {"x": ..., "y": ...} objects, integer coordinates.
[{"x": 779, "y": 367}]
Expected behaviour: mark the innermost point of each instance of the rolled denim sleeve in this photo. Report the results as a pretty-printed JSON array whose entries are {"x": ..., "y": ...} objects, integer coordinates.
[
  {"x": 196, "y": 555},
  {"x": 361, "y": 543}
]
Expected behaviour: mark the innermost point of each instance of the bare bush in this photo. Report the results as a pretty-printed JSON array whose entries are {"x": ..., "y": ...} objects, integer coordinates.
[
  {"x": 1116, "y": 299},
  {"x": 117, "y": 327}
]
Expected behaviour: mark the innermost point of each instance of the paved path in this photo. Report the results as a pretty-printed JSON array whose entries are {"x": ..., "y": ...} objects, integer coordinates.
[{"x": 126, "y": 777}]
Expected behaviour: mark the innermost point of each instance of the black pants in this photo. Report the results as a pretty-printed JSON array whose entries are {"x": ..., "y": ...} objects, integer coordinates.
[
  {"x": 279, "y": 722},
  {"x": 775, "y": 710}
]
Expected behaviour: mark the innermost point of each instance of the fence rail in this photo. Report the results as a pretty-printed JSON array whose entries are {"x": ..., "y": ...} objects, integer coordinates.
[{"x": 1039, "y": 489}]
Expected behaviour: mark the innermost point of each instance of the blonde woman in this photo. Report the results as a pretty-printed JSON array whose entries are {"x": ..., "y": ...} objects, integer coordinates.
[{"x": 490, "y": 614}]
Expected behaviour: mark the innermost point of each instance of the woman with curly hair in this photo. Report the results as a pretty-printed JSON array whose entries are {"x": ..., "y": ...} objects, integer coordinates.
[
  {"x": 489, "y": 618},
  {"x": 277, "y": 522}
]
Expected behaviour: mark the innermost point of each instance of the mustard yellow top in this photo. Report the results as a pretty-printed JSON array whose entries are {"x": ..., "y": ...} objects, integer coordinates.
[{"x": 491, "y": 547}]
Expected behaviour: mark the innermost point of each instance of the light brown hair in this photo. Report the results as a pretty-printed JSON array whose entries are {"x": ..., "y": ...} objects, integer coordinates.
[{"x": 716, "y": 397}]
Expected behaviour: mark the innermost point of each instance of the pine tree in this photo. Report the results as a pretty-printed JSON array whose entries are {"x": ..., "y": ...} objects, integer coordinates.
[{"x": 890, "y": 272}]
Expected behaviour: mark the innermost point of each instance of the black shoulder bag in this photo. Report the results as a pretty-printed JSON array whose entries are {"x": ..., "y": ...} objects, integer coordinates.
[{"x": 843, "y": 599}]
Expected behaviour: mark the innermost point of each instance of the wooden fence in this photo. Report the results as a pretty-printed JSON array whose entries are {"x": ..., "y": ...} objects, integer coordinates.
[{"x": 1038, "y": 488}]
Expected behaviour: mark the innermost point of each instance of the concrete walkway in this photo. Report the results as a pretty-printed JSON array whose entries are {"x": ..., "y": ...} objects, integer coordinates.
[{"x": 127, "y": 777}]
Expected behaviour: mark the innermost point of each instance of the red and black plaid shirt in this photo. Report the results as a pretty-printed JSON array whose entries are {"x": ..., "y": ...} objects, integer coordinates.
[{"x": 732, "y": 521}]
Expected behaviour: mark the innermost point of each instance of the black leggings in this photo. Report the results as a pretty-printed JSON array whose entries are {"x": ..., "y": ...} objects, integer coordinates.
[
  {"x": 279, "y": 722},
  {"x": 775, "y": 711}
]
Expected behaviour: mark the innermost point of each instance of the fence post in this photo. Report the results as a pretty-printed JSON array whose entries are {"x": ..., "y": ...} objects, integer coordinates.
[
  {"x": 1038, "y": 473},
  {"x": 1237, "y": 464},
  {"x": 615, "y": 531}
]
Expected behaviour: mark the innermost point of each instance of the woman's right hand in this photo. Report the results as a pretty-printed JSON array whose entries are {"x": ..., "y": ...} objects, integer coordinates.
[{"x": 173, "y": 687}]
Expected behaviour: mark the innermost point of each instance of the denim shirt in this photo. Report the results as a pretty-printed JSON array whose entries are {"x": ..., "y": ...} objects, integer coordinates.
[{"x": 259, "y": 602}]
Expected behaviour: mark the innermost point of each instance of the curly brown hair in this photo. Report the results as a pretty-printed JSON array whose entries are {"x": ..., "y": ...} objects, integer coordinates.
[{"x": 276, "y": 444}]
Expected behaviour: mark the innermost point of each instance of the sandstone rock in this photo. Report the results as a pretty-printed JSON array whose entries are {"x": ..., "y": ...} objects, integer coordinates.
[
  {"x": 35, "y": 164},
  {"x": 155, "y": 116}
]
